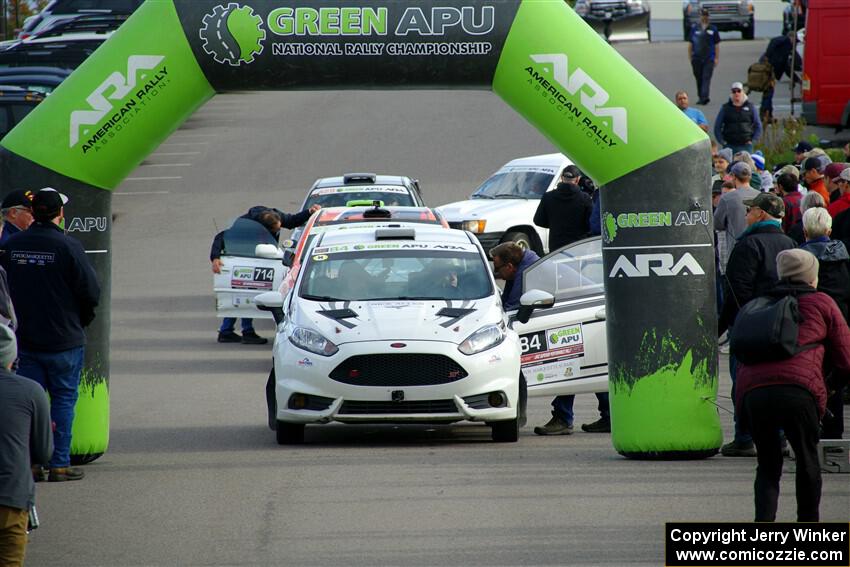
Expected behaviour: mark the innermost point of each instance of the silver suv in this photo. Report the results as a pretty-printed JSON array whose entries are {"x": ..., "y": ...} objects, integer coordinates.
[{"x": 726, "y": 15}]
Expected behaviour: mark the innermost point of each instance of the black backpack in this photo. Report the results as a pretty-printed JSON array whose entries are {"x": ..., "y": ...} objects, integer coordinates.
[{"x": 766, "y": 329}]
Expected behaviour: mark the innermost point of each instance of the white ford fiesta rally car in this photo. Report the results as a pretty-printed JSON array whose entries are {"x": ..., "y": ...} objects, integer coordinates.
[{"x": 393, "y": 325}]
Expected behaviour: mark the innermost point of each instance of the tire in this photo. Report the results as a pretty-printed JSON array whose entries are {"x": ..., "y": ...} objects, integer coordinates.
[
  {"x": 523, "y": 401},
  {"x": 749, "y": 32},
  {"x": 505, "y": 431},
  {"x": 522, "y": 239},
  {"x": 271, "y": 400},
  {"x": 289, "y": 433}
]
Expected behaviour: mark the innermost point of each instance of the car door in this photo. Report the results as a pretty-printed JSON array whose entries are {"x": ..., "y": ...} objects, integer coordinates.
[
  {"x": 564, "y": 348},
  {"x": 243, "y": 274}
]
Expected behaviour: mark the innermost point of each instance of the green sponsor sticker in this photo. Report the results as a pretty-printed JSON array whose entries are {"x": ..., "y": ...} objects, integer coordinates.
[
  {"x": 119, "y": 105},
  {"x": 589, "y": 101}
]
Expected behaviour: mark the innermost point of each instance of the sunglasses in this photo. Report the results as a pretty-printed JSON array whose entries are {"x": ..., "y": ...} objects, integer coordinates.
[{"x": 736, "y": 90}]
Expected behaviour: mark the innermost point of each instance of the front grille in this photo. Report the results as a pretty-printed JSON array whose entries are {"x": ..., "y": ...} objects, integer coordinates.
[
  {"x": 398, "y": 370},
  {"x": 721, "y": 9},
  {"x": 350, "y": 407},
  {"x": 457, "y": 225},
  {"x": 616, "y": 9}
]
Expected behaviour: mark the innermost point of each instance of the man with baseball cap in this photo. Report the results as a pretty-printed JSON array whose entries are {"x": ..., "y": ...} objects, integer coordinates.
[
  {"x": 730, "y": 214},
  {"x": 704, "y": 54},
  {"x": 800, "y": 151},
  {"x": 54, "y": 290},
  {"x": 812, "y": 175},
  {"x": 16, "y": 209},
  {"x": 842, "y": 181},
  {"x": 737, "y": 125},
  {"x": 750, "y": 273}
]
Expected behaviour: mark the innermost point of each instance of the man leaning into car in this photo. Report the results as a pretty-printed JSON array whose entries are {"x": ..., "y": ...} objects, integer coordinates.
[{"x": 273, "y": 220}]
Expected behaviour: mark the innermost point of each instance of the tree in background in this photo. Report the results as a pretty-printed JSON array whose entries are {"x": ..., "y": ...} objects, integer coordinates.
[{"x": 14, "y": 12}]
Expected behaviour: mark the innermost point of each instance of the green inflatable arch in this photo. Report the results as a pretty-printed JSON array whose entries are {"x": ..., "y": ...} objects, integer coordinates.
[{"x": 171, "y": 56}]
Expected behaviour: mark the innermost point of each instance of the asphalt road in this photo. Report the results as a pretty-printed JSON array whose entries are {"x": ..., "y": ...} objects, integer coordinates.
[{"x": 194, "y": 477}]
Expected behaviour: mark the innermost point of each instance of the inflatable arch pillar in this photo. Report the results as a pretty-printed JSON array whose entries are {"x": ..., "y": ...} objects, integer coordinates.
[{"x": 173, "y": 55}]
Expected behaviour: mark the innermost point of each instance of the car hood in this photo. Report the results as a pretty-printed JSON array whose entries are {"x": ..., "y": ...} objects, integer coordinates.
[
  {"x": 479, "y": 208},
  {"x": 415, "y": 320}
]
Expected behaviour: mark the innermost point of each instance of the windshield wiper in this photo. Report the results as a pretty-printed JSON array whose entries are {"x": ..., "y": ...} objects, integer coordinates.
[
  {"x": 402, "y": 298},
  {"x": 481, "y": 196},
  {"x": 321, "y": 298},
  {"x": 509, "y": 196}
]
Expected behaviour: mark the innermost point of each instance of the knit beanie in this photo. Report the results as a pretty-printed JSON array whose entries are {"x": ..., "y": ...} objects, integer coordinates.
[
  {"x": 8, "y": 346},
  {"x": 797, "y": 266}
]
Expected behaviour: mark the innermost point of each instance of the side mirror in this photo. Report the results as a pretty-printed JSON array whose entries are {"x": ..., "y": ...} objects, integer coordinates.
[
  {"x": 269, "y": 251},
  {"x": 288, "y": 257},
  {"x": 531, "y": 300},
  {"x": 271, "y": 301}
]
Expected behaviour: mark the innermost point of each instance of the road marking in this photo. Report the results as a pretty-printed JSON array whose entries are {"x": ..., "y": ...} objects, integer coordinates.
[
  {"x": 143, "y": 193},
  {"x": 166, "y": 164},
  {"x": 152, "y": 178},
  {"x": 655, "y": 247}
]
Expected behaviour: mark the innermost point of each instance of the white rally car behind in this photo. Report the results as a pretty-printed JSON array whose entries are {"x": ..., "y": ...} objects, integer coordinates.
[{"x": 394, "y": 325}]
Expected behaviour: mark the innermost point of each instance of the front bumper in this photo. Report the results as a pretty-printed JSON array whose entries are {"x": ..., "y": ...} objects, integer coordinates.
[
  {"x": 622, "y": 26},
  {"x": 306, "y": 374}
]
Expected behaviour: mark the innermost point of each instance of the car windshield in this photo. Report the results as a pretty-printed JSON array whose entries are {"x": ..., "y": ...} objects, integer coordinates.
[
  {"x": 353, "y": 275},
  {"x": 515, "y": 185},
  {"x": 242, "y": 238},
  {"x": 390, "y": 196}
]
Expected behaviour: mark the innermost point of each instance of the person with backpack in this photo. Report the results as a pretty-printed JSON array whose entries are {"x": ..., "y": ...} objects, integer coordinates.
[
  {"x": 775, "y": 58},
  {"x": 789, "y": 394},
  {"x": 750, "y": 272}
]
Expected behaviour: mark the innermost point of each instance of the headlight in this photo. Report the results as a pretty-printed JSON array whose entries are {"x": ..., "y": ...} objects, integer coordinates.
[
  {"x": 312, "y": 341},
  {"x": 484, "y": 338},
  {"x": 476, "y": 226},
  {"x": 581, "y": 8}
]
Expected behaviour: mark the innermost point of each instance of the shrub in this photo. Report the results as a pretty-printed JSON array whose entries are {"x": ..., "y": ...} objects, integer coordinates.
[{"x": 778, "y": 140}]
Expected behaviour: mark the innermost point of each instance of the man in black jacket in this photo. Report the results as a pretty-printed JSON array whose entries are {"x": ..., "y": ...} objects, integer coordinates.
[
  {"x": 737, "y": 125},
  {"x": 54, "y": 290},
  {"x": 750, "y": 272},
  {"x": 273, "y": 220},
  {"x": 565, "y": 211}
]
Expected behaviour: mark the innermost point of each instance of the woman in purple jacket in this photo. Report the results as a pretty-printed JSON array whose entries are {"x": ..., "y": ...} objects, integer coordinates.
[{"x": 790, "y": 395}]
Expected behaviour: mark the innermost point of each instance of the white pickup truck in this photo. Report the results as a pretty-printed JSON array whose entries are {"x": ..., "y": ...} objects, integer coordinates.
[{"x": 503, "y": 207}]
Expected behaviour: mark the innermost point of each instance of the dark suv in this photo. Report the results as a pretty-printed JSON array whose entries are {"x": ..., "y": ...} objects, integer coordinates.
[
  {"x": 726, "y": 15},
  {"x": 15, "y": 104}
]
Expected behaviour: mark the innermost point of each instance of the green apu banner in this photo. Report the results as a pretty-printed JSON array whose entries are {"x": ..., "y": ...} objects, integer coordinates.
[{"x": 171, "y": 56}]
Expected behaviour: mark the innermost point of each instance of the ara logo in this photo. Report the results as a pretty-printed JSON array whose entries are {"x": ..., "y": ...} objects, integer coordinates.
[
  {"x": 595, "y": 100},
  {"x": 658, "y": 264},
  {"x": 232, "y": 34},
  {"x": 121, "y": 86}
]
